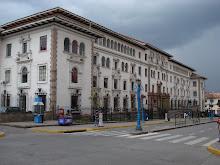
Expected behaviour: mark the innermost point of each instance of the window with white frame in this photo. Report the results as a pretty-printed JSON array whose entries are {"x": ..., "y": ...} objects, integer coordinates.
[
  {"x": 8, "y": 50},
  {"x": 24, "y": 47},
  {"x": 7, "y": 76},
  {"x": 43, "y": 43},
  {"x": 82, "y": 49},
  {"x": 24, "y": 75},
  {"x": 42, "y": 72}
]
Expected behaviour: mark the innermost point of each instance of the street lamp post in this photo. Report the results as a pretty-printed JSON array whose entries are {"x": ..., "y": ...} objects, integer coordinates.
[
  {"x": 211, "y": 109},
  {"x": 142, "y": 110},
  {"x": 138, "y": 100},
  {"x": 189, "y": 110}
]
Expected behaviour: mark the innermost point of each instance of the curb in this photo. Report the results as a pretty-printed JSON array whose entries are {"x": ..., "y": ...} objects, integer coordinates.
[
  {"x": 212, "y": 150},
  {"x": 101, "y": 128},
  {"x": 2, "y": 134}
]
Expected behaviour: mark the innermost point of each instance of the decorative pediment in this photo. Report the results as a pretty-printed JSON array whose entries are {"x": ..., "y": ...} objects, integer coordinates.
[
  {"x": 24, "y": 57},
  {"x": 76, "y": 58}
]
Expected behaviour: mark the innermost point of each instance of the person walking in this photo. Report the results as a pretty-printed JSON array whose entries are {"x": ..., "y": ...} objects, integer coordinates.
[
  {"x": 218, "y": 121},
  {"x": 97, "y": 118}
]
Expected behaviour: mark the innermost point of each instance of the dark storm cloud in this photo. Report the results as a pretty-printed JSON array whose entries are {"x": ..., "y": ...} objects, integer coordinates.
[{"x": 176, "y": 26}]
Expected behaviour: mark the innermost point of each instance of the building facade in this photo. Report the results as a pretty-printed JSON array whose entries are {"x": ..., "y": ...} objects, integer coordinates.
[
  {"x": 212, "y": 102},
  {"x": 70, "y": 61}
]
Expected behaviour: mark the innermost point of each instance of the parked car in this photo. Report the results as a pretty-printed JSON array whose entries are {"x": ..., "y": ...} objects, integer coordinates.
[{"x": 9, "y": 109}]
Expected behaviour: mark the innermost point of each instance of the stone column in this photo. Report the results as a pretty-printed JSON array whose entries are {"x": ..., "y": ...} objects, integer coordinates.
[{"x": 53, "y": 70}]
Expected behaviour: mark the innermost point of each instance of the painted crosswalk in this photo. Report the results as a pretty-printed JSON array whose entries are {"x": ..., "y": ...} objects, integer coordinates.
[{"x": 159, "y": 137}]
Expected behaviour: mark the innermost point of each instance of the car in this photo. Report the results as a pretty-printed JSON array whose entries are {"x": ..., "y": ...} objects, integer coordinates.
[{"x": 9, "y": 109}]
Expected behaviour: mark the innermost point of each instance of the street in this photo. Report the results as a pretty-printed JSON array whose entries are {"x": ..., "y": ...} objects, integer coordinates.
[{"x": 113, "y": 146}]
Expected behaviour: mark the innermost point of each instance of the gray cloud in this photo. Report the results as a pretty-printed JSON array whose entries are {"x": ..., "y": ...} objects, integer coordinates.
[{"x": 171, "y": 25}]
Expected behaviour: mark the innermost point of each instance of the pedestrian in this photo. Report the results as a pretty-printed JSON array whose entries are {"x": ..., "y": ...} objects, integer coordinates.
[
  {"x": 97, "y": 118},
  {"x": 146, "y": 117},
  {"x": 218, "y": 121}
]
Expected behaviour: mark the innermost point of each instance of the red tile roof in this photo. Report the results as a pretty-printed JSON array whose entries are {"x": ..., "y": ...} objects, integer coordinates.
[
  {"x": 212, "y": 95},
  {"x": 197, "y": 76}
]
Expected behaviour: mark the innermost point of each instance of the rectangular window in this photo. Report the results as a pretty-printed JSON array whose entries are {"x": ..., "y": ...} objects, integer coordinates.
[
  {"x": 139, "y": 54},
  {"x": 125, "y": 85},
  {"x": 195, "y": 93},
  {"x": 116, "y": 65},
  {"x": 158, "y": 75},
  {"x": 94, "y": 81},
  {"x": 171, "y": 91},
  {"x": 132, "y": 86},
  {"x": 105, "y": 82},
  {"x": 94, "y": 60},
  {"x": 8, "y": 50},
  {"x": 145, "y": 87},
  {"x": 43, "y": 43},
  {"x": 42, "y": 73},
  {"x": 132, "y": 69},
  {"x": 152, "y": 88},
  {"x": 7, "y": 76},
  {"x": 171, "y": 79},
  {"x": 194, "y": 83},
  {"x": 163, "y": 89},
  {"x": 25, "y": 47},
  {"x": 139, "y": 71},
  {"x": 115, "y": 84},
  {"x": 146, "y": 72},
  {"x": 145, "y": 57}
]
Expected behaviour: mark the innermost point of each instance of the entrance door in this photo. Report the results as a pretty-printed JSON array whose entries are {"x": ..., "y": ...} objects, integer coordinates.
[
  {"x": 74, "y": 100},
  {"x": 22, "y": 103},
  {"x": 43, "y": 100}
]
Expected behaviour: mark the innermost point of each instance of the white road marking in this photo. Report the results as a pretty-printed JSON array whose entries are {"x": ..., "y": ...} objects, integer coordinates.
[
  {"x": 209, "y": 128},
  {"x": 168, "y": 138},
  {"x": 182, "y": 139},
  {"x": 124, "y": 135},
  {"x": 151, "y": 137},
  {"x": 149, "y": 134},
  {"x": 191, "y": 134},
  {"x": 213, "y": 141},
  {"x": 202, "y": 131},
  {"x": 196, "y": 141}
]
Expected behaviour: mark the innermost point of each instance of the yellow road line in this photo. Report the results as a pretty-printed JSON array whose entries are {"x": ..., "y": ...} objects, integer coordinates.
[{"x": 2, "y": 134}]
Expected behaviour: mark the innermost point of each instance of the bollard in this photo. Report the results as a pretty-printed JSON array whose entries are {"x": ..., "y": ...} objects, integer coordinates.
[
  {"x": 166, "y": 117},
  {"x": 101, "y": 120}
]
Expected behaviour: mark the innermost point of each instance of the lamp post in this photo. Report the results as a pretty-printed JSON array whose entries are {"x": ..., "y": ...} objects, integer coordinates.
[
  {"x": 211, "y": 109},
  {"x": 142, "y": 110},
  {"x": 138, "y": 100},
  {"x": 189, "y": 110}
]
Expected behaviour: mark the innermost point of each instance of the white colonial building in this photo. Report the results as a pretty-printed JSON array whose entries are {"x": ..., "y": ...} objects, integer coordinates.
[{"x": 70, "y": 61}]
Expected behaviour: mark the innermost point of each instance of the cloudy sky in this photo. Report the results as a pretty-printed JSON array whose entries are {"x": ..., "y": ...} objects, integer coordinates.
[{"x": 187, "y": 29}]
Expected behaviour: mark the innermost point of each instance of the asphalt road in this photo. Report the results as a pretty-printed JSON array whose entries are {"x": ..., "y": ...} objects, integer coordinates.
[{"x": 114, "y": 146}]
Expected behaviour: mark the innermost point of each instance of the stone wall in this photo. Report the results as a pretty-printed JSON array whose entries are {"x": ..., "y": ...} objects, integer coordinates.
[{"x": 21, "y": 117}]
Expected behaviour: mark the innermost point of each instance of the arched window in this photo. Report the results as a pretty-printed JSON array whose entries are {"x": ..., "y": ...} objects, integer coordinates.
[
  {"x": 66, "y": 45},
  {"x": 122, "y": 66},
  {"x": 112, "y": 44},
  {"x": 122, "y": 48},
  {"x": 128, "y": 50},
  {"x": 103, "y": 61},
  {"x": 74, "y": 75},
  {"x": 131, "y": 51},
  {"x": 74, "y": 47},
  {"x": 119, "y": 47},
  {"x": 82, "y": 49},
  {"x": 125, "y": 49},
  {"x": 24, "y": 75},
  {"x": 108, "y": 43},
  {"x": 108, "y": 63},
  {"x": 104, "y": 41},
  {"x": 126, "y": 67},
  {"x": 115, "y": 47}
]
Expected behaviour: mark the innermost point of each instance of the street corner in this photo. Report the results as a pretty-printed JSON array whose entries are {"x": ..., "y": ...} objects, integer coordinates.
[
  {"x": 2, "y": 134},
  {"x": 212, "y": 148}
]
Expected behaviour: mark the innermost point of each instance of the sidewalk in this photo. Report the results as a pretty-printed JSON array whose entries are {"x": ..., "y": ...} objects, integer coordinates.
[{"x": 214, "y": 148}]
